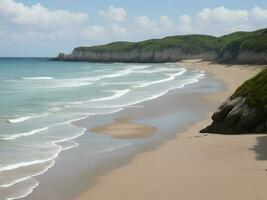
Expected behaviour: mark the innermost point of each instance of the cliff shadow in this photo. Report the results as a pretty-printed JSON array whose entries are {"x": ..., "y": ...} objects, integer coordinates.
[{"x": 261, "y": 148}]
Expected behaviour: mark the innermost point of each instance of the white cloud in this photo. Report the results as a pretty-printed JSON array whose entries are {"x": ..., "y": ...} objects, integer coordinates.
[
  {"x": 114, "y": 14},
  {"x": 166, "y": 23},
  {"x": 145, "y": 22},
  {"x": 101, "y": 33},
  {"x": 223, "y": 15},
  {"x": 185, "y": 24},
  {"x": 36, "y": 28},
  {"x": 118, "y": 30},
  {"x": 147, "y": 26},
  {"x": 95, "y": 32},
  {"x": 221, "y": 20},
  {"x": 37, "y": 16},
  {"x": 258, "y": 14}
]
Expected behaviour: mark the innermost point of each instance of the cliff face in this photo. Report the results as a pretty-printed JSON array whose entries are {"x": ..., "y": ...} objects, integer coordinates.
[
  {"x": 244, "y": 57},
  {"x": 157, "y": 56},
  {"x": 239, "y": 47},
  {"x": 245, "y": 111},
  {"x": 236, "y": 116}
]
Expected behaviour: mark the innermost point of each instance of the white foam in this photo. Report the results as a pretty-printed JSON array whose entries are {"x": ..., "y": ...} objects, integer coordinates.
[
  {"x": 29, "y": 163},
  {"x": 187, "y": 82},
  {"x": 119, "y": 74},
  {"x": 25, "y": 118},
  {"x": 137, "y": 67},
  {"x": 68, "y": 138},
  {"x": 18, "y": 180},
  {"x": 110, "y": 149},
  {"x": 171, "y": 77},
  {"x": 68, "y": 145},
  {"x": 118, "y": 94},
  {"x": 33, "y": 132},
  {"x": 19, "y": 190},
  {"x": 152, "y": 71},
  {"x": 38, "y": 78},
  {"x": 20, "y": 119},
  {"x": 55, "y": 109}
]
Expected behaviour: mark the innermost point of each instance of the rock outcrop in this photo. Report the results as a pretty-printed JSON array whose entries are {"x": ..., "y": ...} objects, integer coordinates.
[
  {"x": 243, "y": 57},
  {"x": 245, "y": 111},
  {"x": 238, "y": 47},
  {"x": 236, "y": 116},
  {"x": 137, "y": 56}
]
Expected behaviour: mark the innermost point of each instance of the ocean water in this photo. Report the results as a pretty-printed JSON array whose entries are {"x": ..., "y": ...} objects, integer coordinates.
[{"x": 39, "y": 100}]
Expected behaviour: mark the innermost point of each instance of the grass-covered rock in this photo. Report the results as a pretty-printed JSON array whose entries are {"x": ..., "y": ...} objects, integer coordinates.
[
  {"x": 238, "y": 47},
  {"x": 255, "y": 92},
  {"x": 245, "y": 111}
]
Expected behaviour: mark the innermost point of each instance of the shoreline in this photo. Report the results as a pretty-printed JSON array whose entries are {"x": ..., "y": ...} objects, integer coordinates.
[
  {"x": 82, "y": 169},
  {"x": 204, "y": 164}
]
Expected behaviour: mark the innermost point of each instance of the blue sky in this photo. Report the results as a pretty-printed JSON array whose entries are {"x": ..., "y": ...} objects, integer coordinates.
[{"x": 44, "y": 28}]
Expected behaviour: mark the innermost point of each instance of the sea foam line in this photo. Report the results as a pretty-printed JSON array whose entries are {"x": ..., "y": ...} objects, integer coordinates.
[
  {"x": 170, "y": 78},
  {"x": 25, "y": 178},
  {"x": 25, "y": 118},
  {"x": 29, "y": 163},
  {"x": 37, "y": 78},
  {"x": 118, "y": 94},
  {"x": 20, "y": 119},
  {"x": 30, "y": 190},
  {"x": 188, "y": 82},
  {"x": 33, "y": 132}
]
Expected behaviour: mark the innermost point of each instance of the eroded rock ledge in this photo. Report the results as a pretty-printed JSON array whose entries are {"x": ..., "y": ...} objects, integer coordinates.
[{"x": 235, "y": 116}]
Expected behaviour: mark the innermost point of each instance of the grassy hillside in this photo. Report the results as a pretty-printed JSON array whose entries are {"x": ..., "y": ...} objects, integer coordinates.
[
  {"x": 232, "y": 43},
  {"x": 243, "y": 41},
  {"x": 255, "y": 91},
  {"x": 191, "y": 44},
  {"x": 238, "y": 47}
]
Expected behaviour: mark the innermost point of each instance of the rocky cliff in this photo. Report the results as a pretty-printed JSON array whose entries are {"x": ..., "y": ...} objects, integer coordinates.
[
  {"x": 238, "y": 47},
  {"x": 236, "y": 116},
  {"x": 245, "y": 111},
  {"x": 138, "y": 56}
]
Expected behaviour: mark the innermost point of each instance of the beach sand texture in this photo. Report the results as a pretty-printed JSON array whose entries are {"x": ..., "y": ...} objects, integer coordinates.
[
  {"x": 124, "y": 129},
  {"x": 194, "y": 166}
]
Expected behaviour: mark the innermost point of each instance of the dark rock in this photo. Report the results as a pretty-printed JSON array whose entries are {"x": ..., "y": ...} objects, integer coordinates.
[{"x": 235, "y": 116}]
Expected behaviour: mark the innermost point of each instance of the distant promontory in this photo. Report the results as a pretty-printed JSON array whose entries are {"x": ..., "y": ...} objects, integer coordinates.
[{"x": 238, "y": 47}]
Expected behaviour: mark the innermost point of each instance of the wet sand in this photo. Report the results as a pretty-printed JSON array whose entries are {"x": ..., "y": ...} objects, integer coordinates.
[
  {"x": 124, "y": 129},
  {"x": 192, "y": 165}
]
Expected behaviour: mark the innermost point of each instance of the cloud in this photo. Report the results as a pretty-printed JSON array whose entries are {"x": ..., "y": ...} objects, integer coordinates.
[
  {"x": 118, "y": 30},
  {"x": 95, "y": 32},
  {"x": 223, "y": 15},
  {"x": 147, "y": 26},
  {"x": 221, "y": 20},
  {"x": 114, "y": 14},
  {"x": 37, "y": 16},
  {"x": 166, "y": 23},
  {"x": 100, "y": 33},
  {"x": 32, "y": 29},
  {"x": 185, "y": 24}
]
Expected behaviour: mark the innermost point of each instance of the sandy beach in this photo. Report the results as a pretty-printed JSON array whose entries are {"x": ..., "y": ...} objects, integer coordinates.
[
  {"x": 192, "y": 166},
  {"x": 124, "y": 129}
]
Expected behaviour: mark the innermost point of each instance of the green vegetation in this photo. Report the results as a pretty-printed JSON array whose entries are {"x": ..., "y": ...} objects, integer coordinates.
[
  {"x": 189, "y": 44},
  {"x": 251, "y": 41},
  {"x": 255, "y": 91},
  {"x": 231, "y": 44}
]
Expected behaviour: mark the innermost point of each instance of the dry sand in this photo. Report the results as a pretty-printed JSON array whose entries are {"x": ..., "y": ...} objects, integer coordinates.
[{"x": 194, "y": 166}]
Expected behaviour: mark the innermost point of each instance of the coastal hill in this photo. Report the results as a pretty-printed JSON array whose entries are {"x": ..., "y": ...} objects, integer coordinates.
[
  {"x": 238, "y": 47},
  {"x": 245, "y": 111}
]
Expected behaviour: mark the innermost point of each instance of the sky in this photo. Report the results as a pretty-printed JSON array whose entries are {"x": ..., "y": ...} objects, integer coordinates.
[{"x": 30, "y": 28}]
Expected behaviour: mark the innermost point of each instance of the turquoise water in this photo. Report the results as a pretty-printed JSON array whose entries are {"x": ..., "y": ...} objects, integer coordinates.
[{"x": 40, "y": 99}]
